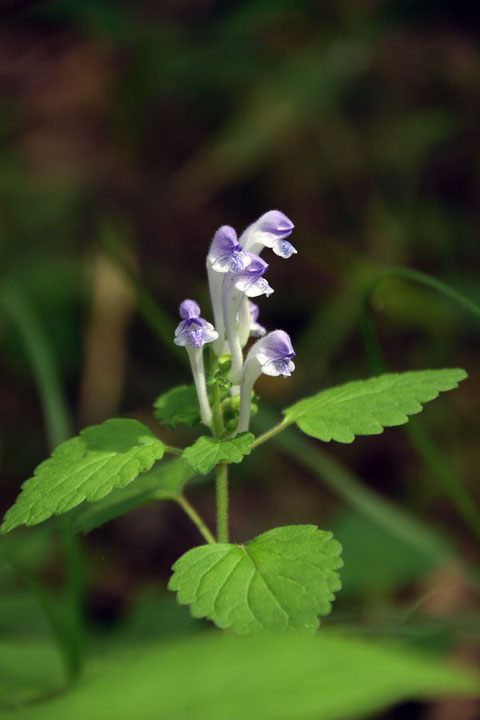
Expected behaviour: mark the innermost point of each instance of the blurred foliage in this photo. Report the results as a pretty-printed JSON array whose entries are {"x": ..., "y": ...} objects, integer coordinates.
[
  {"x": 129, "y": 131},
  {"x": 332, "y": 677}
]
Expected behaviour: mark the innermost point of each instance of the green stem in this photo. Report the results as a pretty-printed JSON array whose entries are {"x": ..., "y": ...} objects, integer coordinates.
[
  {"x": 195, "y": 518},
  {"x": 221, "y": 477},
  {"x": 221, "y": 470},
  {"x": 74, "y": 591},
  {"x": 173, "y": 450},
  {"x": 217, "y": 414},
  {"x": 269, "y": 434}
]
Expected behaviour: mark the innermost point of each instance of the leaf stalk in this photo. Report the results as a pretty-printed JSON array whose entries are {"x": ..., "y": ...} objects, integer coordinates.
[
  {"x": 195, "y": 518},
  {"x": 270, "y": 433}
]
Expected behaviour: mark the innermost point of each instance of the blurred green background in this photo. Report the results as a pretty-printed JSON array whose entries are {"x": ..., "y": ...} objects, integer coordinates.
[{"x": 130, "y": 131}]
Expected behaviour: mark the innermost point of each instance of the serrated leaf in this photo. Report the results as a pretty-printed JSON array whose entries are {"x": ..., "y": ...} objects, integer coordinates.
[
  {"x": 87, "y": 467},
  {"x": 365, "y": 407},
  {"x": 282, "y": 580},
  {"x": 165, "y": 481},
  {"x": 207, "y": 452},
  {"x": 178, "y": 405}
]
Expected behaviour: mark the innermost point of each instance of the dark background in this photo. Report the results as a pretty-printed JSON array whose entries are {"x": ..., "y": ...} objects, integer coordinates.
[{"x": 129, "y": 132}]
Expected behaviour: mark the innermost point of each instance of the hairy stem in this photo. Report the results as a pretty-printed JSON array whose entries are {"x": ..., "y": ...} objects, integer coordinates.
[
  {"x": 195, "y": 518},
  {"x": 221, "y": 471},
  {"x": 217, "y": 415},
  {"x": 221, "y": 477}
]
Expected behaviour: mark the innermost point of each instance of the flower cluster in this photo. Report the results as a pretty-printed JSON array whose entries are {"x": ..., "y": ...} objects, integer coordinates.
[{"x": 236, "y": 274}]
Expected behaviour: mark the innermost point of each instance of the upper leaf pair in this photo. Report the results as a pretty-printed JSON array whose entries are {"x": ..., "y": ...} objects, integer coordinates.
[
  {"x": 365, "y": 407},
  {"x": 109, "y": 456},
  {"x": 87, "y": 467}
]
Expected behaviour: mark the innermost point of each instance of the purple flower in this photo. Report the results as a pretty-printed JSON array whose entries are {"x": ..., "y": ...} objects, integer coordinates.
[
  {"x": 225, "y": 253},
  {"x": 270, "y": 230},
  {"x": 274, "y": 354},
  {"x": 250, "y": 280},
  {"x": 256, "y": 330},
  {"x": 236, "y": 286},
  {"x": 189, "y": 309},
  {"x": 193, "y": 331},
  {"x": 225, "y": 256},
  {"x": 271, "y": 355}
]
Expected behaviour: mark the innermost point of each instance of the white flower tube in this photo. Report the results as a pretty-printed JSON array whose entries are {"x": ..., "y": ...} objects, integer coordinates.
[
  {"x": 248, "y": 321},
  {"x": 224, "y": 256},
  {"x": 236, "y": 286},
  {"x": 195, "y": 356}
]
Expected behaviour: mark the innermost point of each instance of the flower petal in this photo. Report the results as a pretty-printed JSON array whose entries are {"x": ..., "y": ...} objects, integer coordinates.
[
  {"x": 269, "y": 228},
  {"x": 284, "y": 249},
  {"x": 189, "y": 309},
  {"x": 235, "y": 262}
]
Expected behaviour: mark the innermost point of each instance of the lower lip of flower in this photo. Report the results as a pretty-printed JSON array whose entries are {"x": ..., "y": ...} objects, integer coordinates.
[
  {"x": 284, "y": 248},
  {"x": 260, "y": 285},
  {"x": 196, "y": 338},
  {"x": 282, "y": 366},
  {"x": 237, "y": 262}
]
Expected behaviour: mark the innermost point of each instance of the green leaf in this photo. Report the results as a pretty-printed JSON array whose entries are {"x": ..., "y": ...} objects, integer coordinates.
[
  {"x": 178, "y": 405},
  {"x": 163, "y": 482},
  {"x": 207, "y": 452},
  {"x": 282, "y": 580},
  {"x": 329, "y": 677},
  {"x": 231, "y": 409},
  {"x": 87, "y": 467},
  {"x": 365, "y": 407}
]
